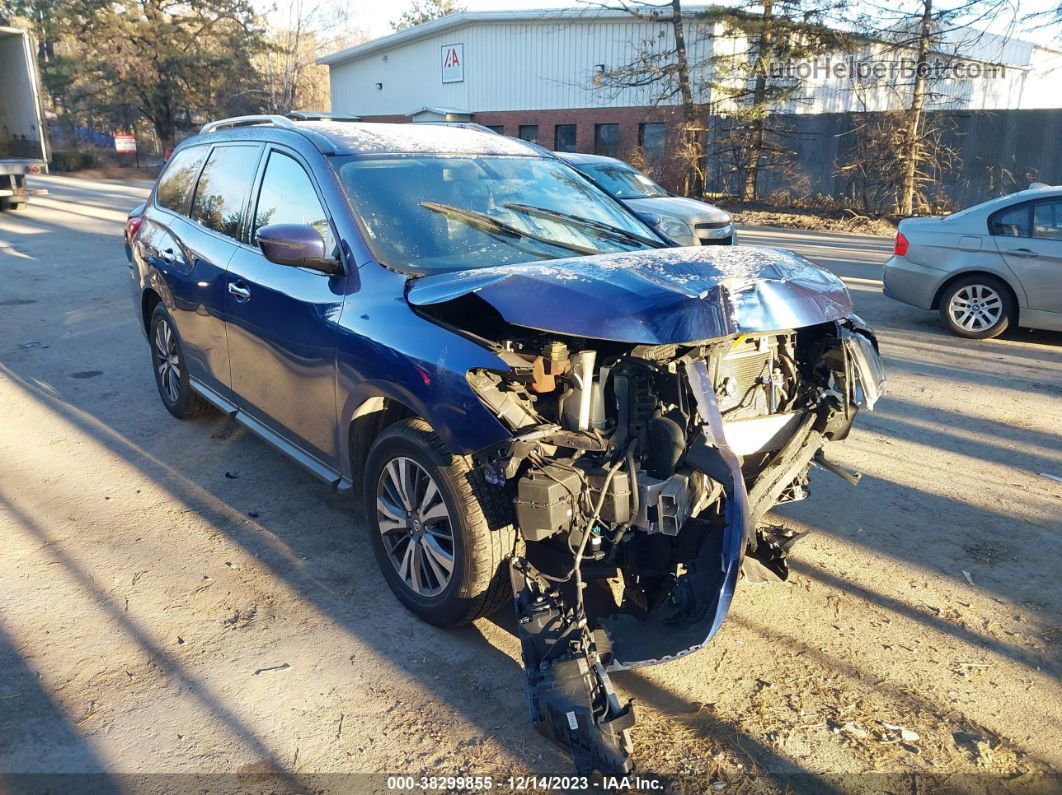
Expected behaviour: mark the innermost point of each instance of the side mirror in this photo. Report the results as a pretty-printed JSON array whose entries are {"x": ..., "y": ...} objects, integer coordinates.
[{"x": 299, "y": 245}]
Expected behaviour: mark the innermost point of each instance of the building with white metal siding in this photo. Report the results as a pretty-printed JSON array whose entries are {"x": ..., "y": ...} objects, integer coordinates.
[
  {"x": 547, "y": 60},
  {"x": 512, "y": 61},
  {"x": 536, "y": 75}
]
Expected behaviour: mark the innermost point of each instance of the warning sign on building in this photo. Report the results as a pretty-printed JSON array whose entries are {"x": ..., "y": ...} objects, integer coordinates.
[{"x": 453, "y": 63}]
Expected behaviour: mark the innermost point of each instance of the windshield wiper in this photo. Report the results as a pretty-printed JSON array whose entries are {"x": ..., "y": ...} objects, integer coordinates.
[
  {"x": 606, "y": 229},
  {"x": 494, "y": 226}
]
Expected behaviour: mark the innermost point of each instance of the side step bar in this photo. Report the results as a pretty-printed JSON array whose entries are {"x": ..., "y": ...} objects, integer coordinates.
[{"x": 327, "y": 474}]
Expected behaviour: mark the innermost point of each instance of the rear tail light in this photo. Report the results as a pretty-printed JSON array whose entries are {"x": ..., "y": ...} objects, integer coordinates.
[
  {"x": 32, "y": 169},
  {"x": 131, "y": 227},
  {"x": 900, "y": 249}
]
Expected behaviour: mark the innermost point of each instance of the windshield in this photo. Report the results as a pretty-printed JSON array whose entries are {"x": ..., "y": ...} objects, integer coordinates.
[
  {"x": 429, "y": 214},
  {"x": 622, "y": 181}
]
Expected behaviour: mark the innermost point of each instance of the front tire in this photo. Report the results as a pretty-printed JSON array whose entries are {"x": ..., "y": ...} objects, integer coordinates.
[
  {"x": 440, "y": 534},
  {"x": 977, "y": 307},
  {"x": 171, "y": 372}
]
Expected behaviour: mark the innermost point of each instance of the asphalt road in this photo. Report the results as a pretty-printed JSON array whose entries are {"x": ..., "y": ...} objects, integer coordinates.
[{"x": 178, "y": 598}]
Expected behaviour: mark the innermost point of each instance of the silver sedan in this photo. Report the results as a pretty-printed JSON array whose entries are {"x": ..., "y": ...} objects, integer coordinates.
[
  {"x": 987, "y": 268},
  {"x": 684, "y": 221}
]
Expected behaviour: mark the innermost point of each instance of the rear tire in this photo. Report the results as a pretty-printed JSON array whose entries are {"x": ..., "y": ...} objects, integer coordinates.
[
  {"x": 977, "y": 307},
  {"x": 445, "y": 558},
  {"x": 171, "y": 371}
]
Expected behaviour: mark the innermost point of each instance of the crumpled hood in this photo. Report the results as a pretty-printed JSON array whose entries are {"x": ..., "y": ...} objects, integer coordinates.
[{"x": 652, "y": 297}]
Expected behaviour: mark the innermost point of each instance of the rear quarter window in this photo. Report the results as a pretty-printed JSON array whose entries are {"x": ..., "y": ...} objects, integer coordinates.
[
  {"x": 176, "y": 183},
  {"x": 1010, "y": 222}
]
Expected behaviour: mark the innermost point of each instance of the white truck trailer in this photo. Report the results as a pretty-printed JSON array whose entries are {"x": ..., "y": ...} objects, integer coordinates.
[{"x": 23, "y": 148}]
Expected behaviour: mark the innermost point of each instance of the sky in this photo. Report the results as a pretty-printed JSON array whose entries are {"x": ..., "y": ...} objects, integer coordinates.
[{"x": 375, "y": 17}]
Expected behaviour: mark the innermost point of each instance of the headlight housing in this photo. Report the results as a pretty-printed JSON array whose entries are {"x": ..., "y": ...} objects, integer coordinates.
[
  {"x": 676, "y": 231},
  {"x": 866, "y": 376}
]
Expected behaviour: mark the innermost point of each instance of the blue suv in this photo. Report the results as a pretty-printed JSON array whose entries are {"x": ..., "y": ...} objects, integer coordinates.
[{"x": 535, "y": 398}]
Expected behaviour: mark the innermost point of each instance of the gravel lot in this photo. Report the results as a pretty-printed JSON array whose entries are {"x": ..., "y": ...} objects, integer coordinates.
[{"x": 178, "y": 598}]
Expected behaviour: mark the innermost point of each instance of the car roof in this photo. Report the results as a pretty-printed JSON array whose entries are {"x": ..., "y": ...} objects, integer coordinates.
[
  {"x": 1035, "y": 193},
  {"x": 1000, "y": 202},
  {"x": 581, "y": 159},
  {"x": 359, "y": 138}
]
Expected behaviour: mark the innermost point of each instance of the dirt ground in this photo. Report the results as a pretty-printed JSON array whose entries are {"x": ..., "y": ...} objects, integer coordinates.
[
  {"x": 818, "y": 220},
  {"x": 183, "y": 609}
]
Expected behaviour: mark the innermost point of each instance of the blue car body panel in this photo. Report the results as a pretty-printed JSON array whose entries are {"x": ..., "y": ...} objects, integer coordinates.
[
  {"x": 653, "y": 297},
  {"x": 386, "y": 349},
  {"x": 282, "y": 349}
]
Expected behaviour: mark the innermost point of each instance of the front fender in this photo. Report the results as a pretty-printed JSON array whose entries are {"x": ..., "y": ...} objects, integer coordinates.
[{"x": 385, "y": 349}]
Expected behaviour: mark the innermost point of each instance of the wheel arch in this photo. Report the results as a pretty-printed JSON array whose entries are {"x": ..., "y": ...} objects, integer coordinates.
[
  {"x": 148, "y": 301},
  {"x": 967, "y": 274},
  {"x": 367, "y": 422}
]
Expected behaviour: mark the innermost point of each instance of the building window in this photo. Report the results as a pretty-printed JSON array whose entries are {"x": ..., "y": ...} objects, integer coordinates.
[
  {"x": 651, "y": 138},
  {"x": 529, "y": 132},
  {"x": 564, "y": 138},
  {"x": 607, "y": 140}
]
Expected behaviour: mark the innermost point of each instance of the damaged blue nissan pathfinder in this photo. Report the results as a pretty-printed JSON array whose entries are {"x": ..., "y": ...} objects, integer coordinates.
[{"x": 534, "y": 397}]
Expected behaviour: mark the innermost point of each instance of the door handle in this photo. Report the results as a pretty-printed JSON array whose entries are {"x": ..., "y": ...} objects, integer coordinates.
[
  {"x": 1022, "y": 252},
  {"x": 242, "y": 293}
]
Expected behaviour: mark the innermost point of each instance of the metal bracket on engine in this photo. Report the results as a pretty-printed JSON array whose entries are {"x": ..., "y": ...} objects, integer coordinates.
[{"x": 570, "y": 696}]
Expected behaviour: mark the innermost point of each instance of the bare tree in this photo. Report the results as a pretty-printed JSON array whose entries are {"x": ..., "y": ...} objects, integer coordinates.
[
  {"x": 736, "y": 76},
  {"x": 1050, "y": 18},
  {"x": 303, "y": 31},
  {"x": 663, "y": 72},
  {"x": 873, "y": 182},
  {"x": 929, "y": 35},
  {"x": 756, "y": 80}
]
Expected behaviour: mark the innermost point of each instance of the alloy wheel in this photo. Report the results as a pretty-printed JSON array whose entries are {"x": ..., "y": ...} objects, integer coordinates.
[
  {"x": 976, "y": 307},
  {"x": 416, "y": 527},
  {"x": 166, "y": 360}
]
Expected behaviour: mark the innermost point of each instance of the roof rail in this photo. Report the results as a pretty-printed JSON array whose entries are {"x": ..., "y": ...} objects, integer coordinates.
[
  {"x": 467, "y": 125},
  {"x": 246, "y": 121},
  {"x": 316, "y": 115}
]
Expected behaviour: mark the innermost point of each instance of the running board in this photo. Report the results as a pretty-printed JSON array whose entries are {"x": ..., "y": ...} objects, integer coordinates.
[{"x": 271, "y": 437}]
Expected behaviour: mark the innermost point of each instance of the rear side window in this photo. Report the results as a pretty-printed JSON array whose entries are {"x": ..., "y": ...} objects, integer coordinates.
[
  {"x": 222, "y": 191},
  {"x": 175, "y": 185},
  {"x": 1012, "y": 222},
  {"x": 288, "y": 197},
  {"x": 1047, "y": 220}
]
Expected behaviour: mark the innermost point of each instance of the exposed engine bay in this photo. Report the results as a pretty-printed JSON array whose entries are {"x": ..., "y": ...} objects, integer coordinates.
[
  {"x": 640, "y": 476},
  {"x": 641, "y": 467}
]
